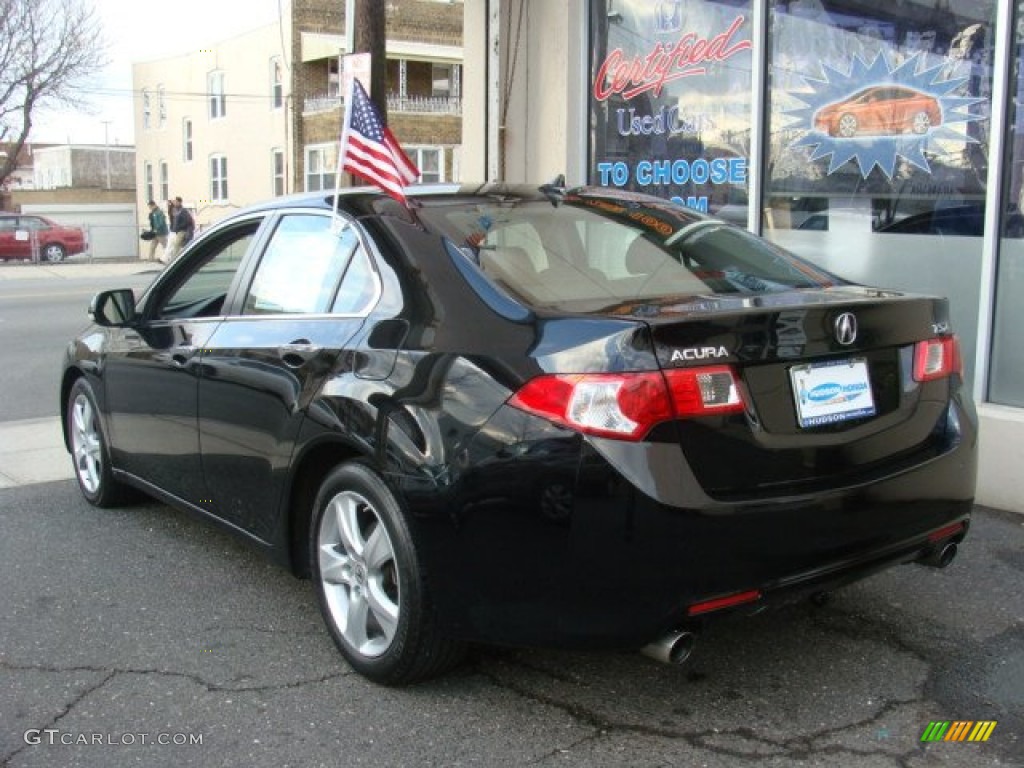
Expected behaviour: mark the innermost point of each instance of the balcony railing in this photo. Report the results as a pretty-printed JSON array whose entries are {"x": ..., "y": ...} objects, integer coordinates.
[{"x": 435, "y": 105}]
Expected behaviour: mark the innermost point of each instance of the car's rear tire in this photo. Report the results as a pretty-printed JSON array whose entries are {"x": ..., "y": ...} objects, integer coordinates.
[
  {"x": 370, "y": 583},
  {"x": 90, "y": 453},
  {"x": 921, "y": 123},
  {"x": 54, "y": 253}
]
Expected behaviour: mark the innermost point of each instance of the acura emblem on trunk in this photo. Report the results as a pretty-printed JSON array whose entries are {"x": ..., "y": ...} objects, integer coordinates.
[{"x": 846, "y": 328}]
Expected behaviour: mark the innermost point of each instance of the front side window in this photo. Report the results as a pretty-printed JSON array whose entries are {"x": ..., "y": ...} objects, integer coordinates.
[
  {"x": 215, "y": 95},
  {"x": 147, "y": 173},
  {"x": 301, "y": 268},
  {"x": 321, "y": 162},
  {"x": 147, "y": 109},
  {"x": 202, "y": 288},
  {"x": 218, "y": 178}
]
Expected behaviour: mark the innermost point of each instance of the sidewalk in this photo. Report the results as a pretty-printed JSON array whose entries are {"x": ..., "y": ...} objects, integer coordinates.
[
  {"x": 32, "y": 451},
  {"x": 70, "y": 270}
]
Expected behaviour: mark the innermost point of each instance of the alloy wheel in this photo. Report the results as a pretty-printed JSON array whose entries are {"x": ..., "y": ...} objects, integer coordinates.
[
  {"x": 359, "y": 574},
  {"x": 86, "y": 444}
]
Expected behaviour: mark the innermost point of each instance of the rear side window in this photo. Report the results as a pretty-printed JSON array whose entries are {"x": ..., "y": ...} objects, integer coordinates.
[{"x": 301, "y": 268}]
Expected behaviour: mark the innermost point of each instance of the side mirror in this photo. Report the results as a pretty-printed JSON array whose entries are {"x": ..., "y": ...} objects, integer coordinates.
[{"x": 113, "y": 308}]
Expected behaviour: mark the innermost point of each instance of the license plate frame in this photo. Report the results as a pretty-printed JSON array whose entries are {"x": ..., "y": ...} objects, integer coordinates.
[{"x": 832, "y": 391}]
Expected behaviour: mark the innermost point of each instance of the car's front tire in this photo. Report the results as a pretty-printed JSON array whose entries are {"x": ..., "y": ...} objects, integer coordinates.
[
  {"x": 370, "y": 583},
  {"x": 847, "y": 126},
  {"x": 90, "y": 453}
]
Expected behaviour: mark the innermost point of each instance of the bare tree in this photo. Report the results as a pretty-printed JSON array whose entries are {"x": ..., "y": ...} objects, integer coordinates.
[{"x": 47, "y": 49}]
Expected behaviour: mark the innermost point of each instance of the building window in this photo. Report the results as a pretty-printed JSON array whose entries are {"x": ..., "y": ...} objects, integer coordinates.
[
  {"x": 165, "y": 182},
  {"x": 147, "y": 109},
  {"x": 321, "y": 160},
  {"x": 215, "y": 95},
  {"x": 218, "y": 178},
  {"x": 430, "y": 161},
  {"x": 147, "y": 173},
  {"x": 161, "y": 107},
  {"x": 276, "y": 83},
  {"x": 186, "y": 140},
  {"x": 277, "y": 163}
]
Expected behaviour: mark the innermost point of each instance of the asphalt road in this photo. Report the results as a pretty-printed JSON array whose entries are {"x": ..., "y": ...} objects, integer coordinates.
[
  {"x": 143, "y": 624},
  {"x": 38, "y": 316}
]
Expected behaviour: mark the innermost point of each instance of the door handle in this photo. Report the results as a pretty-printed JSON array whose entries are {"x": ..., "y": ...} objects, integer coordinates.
[{"x": 298, "y": 352}]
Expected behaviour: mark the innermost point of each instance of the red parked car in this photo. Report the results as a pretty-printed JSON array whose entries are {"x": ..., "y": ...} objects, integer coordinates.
[
  {"x": 21, "y": 233},
  {"x": 880, "y": 109}
]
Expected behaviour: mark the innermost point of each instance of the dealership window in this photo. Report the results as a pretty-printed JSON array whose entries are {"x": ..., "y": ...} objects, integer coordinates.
[
  {"x": 165, "y": 182},
  {"x": 877, "y": 144},
  {"x": 147, "y": 109},
  {"x": 147, "y": 180},
  {"x": 277, "y": 164},
  {"x": 430, "y": 161},
  {"x": 186, "y": 140},
  {"x": 321, "y": 160},
  {"x": 218, "y": 178},
  {"x": 276, "y": 83},
  {"x": 1006, "y": 371},
  {"x": 685, "y": 135},
  {"x": 215, "y": 95}
]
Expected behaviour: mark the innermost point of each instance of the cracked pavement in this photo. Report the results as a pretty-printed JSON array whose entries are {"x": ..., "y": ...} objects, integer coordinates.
[{"x": 144, "y": 621}]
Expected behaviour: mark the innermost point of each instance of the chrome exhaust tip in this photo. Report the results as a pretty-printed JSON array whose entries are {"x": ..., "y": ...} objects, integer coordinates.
[
  {"x": 673, "y": 648},
  {"x": 940, "y": 557}
]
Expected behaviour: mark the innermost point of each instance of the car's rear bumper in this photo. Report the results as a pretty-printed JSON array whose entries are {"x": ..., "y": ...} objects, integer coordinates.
[{"x": 621, "y": 567}]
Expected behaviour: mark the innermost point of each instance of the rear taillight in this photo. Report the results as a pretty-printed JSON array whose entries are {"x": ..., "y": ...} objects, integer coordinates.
[
  {"x": 937, "y": 358},
  {"x": 627, "y": 405}
]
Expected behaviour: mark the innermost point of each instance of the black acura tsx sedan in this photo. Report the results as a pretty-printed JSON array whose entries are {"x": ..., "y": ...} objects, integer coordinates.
[{"x": 577, "y": 418}]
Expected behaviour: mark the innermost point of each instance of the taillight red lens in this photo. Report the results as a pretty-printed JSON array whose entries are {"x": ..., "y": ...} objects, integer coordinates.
[
  {"x": 937, "y": 358},
  {"x": 627, "y": 405},
  {"x": 704, "y": 391}
]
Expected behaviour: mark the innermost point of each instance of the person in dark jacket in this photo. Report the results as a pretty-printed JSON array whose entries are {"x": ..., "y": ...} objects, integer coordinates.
[
  {"x": 183, "y": 225},
  {"x": 158, "y": 226}
]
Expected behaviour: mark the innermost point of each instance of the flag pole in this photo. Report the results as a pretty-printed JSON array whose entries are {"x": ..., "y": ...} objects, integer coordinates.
[{"x": 337, "y": 224}]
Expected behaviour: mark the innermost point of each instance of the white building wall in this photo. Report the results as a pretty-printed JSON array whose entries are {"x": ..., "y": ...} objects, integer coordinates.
[{"x": 245, "y": 135}]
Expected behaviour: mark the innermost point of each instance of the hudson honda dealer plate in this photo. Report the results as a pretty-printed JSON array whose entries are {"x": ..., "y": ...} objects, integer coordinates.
[{"x": 832, "y": 391}]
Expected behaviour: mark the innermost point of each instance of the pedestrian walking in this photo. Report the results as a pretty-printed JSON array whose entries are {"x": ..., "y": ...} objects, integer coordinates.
[{"x": 157, "y": 231}]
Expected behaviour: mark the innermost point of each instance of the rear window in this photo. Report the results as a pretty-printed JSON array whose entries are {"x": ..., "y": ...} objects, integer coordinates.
[{"x": 593, "y": 248}]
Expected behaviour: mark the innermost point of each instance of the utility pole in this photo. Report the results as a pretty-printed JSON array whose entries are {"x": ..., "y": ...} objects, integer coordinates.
[
  {"x": 370, "y": 33},
  {"x": 106, "y": 147}
]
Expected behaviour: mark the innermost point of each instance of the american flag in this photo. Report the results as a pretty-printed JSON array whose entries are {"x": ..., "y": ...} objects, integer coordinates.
[{"x": 370, "y": 151}]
